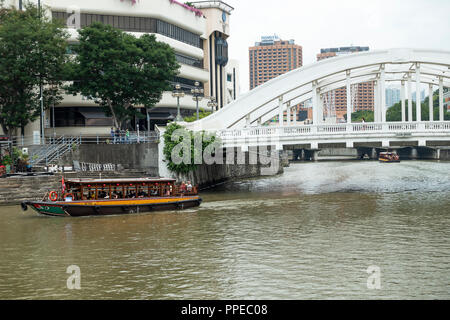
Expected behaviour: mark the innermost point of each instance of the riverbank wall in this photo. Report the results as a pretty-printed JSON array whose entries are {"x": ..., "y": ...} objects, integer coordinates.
[
  {"x": 14, "y": 190},
  {"x": 242, "y": 165},
  {"x": 136, "y": 160}
]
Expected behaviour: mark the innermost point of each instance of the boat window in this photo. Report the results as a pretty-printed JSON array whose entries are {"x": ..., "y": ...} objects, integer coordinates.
[
  {"x": 131, "y": 191},
  {"x": 117, "y": 191}
]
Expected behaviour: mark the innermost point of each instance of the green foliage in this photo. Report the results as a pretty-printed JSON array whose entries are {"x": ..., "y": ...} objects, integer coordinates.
[
  {"x": 169, "y": 145},
  {"x": 120, "y": 71},
  {"x": 32, "y": 51},
  {"x": 6, "y": 160},
  {"x": 367, "y": 115},
  {"x": 202, "y": 114},
  {"x": 394, "y": 113}
]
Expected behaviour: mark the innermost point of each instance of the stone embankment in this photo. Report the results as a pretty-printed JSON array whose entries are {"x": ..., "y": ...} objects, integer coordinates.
[{"x": 17, "y": 189}]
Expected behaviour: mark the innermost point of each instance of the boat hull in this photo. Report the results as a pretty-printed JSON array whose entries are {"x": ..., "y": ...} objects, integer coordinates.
[
  {"x": 111, "y": 207},
  {"x": 388, "y": 161}
]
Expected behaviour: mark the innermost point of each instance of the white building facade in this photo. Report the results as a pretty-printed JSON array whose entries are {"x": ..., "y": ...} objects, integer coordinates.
[{"x": 197, "y": 33}]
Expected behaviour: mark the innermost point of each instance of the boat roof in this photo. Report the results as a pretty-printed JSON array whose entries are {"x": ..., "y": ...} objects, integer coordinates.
[{"x": 119, "y": 180}]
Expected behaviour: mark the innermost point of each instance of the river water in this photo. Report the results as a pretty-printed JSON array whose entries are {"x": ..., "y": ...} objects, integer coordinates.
[{"x": 311, "y": 233}]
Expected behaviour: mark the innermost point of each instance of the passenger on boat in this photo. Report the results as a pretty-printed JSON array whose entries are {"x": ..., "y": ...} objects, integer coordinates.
[
  {"x": 168, "y": 190},
  {"x": 183, "y": 187},
  {"x": 189, "y": 186}
]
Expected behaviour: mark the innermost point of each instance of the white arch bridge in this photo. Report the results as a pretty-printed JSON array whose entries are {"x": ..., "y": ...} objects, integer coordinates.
[{"x": 241, "y": 122}]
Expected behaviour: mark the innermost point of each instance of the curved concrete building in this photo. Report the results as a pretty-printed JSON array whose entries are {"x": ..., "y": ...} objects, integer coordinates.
[{"x": 197, "y": 34}]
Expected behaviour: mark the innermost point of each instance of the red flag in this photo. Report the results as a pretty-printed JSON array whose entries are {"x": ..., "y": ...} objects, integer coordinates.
[{"x": 63, "y": 185}]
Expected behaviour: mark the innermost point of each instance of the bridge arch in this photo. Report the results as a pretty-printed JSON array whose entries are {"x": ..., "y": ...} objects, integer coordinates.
[{"x": 410, "y": 67}]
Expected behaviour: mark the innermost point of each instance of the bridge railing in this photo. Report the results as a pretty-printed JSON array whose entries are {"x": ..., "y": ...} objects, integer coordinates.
[{"x": 335, "y": 129}]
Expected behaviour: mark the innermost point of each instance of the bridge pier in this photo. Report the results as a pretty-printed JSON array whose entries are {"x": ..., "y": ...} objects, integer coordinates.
[
  {"x": 374, "y": 154},
  {"x": 371, "y": 152},
  {"x": 284, "y": 158},
  {"x": 414, "y": 154},
  {"x": 311, "y": 154}
]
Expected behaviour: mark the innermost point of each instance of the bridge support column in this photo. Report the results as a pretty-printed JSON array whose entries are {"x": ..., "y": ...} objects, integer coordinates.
[
  {"x": 418, "y": 102},
  {"x": 374, "y": 154},
  {"x": 311, "y": 155},
  {"x": 403, "y": 101},
  {"x": 376, "y": 102},
  {"x": 441, "y": 99},
  {"x": 414, "y": 154},
  {"x": 280, "y": 111},
  {"x": 430, "y": 102},
  {"x": 383, "y": 93},
  {"x": 349, "y": 97},
  {"x": 288, "y": 113},
  {"x": 315, "y": 106},
  {"x": 294, "y": 115},
  {"x": 320, "y": 99},
  {"x": 410, "y": 112},
  {"x": 247, "y": 121},
  {"x": 315, "y": 155}
]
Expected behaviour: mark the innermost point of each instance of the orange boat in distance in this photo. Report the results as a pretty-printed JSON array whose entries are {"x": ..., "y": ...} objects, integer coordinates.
[
  {"x": 389, "y": 157},
  {"x": 86, "y": 197}
]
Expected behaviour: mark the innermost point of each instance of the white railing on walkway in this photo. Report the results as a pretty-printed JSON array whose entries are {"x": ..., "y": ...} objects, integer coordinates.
[{"x": 353, "y": 129}]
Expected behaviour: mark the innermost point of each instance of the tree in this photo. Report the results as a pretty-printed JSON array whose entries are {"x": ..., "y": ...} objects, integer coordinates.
[
  {"x": 394, "y": 113},
  {"x": 359, "y": 115},
  {"x": 175, "y": 131},
  {"x": 32, "y": 51},
  {"x": 201, "y": 115},
  {"x": 119, "y": 71}
]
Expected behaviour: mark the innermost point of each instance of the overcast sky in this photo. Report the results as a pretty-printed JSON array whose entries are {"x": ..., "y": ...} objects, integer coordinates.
[{"x": 316, "y": 24}]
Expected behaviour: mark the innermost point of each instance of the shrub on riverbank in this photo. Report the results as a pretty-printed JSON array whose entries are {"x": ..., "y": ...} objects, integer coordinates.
[{"x": 182, "y": 144}]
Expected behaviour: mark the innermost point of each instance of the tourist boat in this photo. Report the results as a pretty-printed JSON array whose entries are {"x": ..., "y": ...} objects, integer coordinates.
[
  {"x": 388, "y": 157},
  {"x": 86, "y": 197}
]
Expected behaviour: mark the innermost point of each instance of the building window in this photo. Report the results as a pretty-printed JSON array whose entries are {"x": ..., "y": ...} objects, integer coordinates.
[
  {"x": 136, "y": 24},
  {"x": 189, "y": 60}
]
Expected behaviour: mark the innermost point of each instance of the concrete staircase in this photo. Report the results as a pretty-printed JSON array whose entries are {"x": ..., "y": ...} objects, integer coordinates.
[{"x": 51, "y": 152}]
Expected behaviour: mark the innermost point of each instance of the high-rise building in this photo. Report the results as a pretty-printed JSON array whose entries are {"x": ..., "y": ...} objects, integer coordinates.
[
  {"x": 363, "y": 98},
  {"x": 392, "y": 96},
  {"x": 272, "y": 57},
  {"x": 197, "y": 32},
  {"x": 422, "y": 96}
]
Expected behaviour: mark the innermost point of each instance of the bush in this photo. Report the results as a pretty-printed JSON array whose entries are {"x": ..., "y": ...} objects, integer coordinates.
[{"x": 169, "y": 145}]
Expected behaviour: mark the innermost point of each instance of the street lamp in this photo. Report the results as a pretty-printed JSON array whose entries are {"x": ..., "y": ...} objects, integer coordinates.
[
  {"x": 178, "y": 93},
  {"x": 212, "y": 104},
  {"x": 197, "y": 95},
  {"x": 41, "y": 99}
]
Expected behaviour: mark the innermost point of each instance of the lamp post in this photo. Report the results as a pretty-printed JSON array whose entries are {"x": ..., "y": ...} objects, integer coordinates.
[
  {"x": 197, "y": 95},
  {"x": 212, "y": 104},
  {"x": 41, "y": 99},
  {"x": 178, "y": 93}
]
